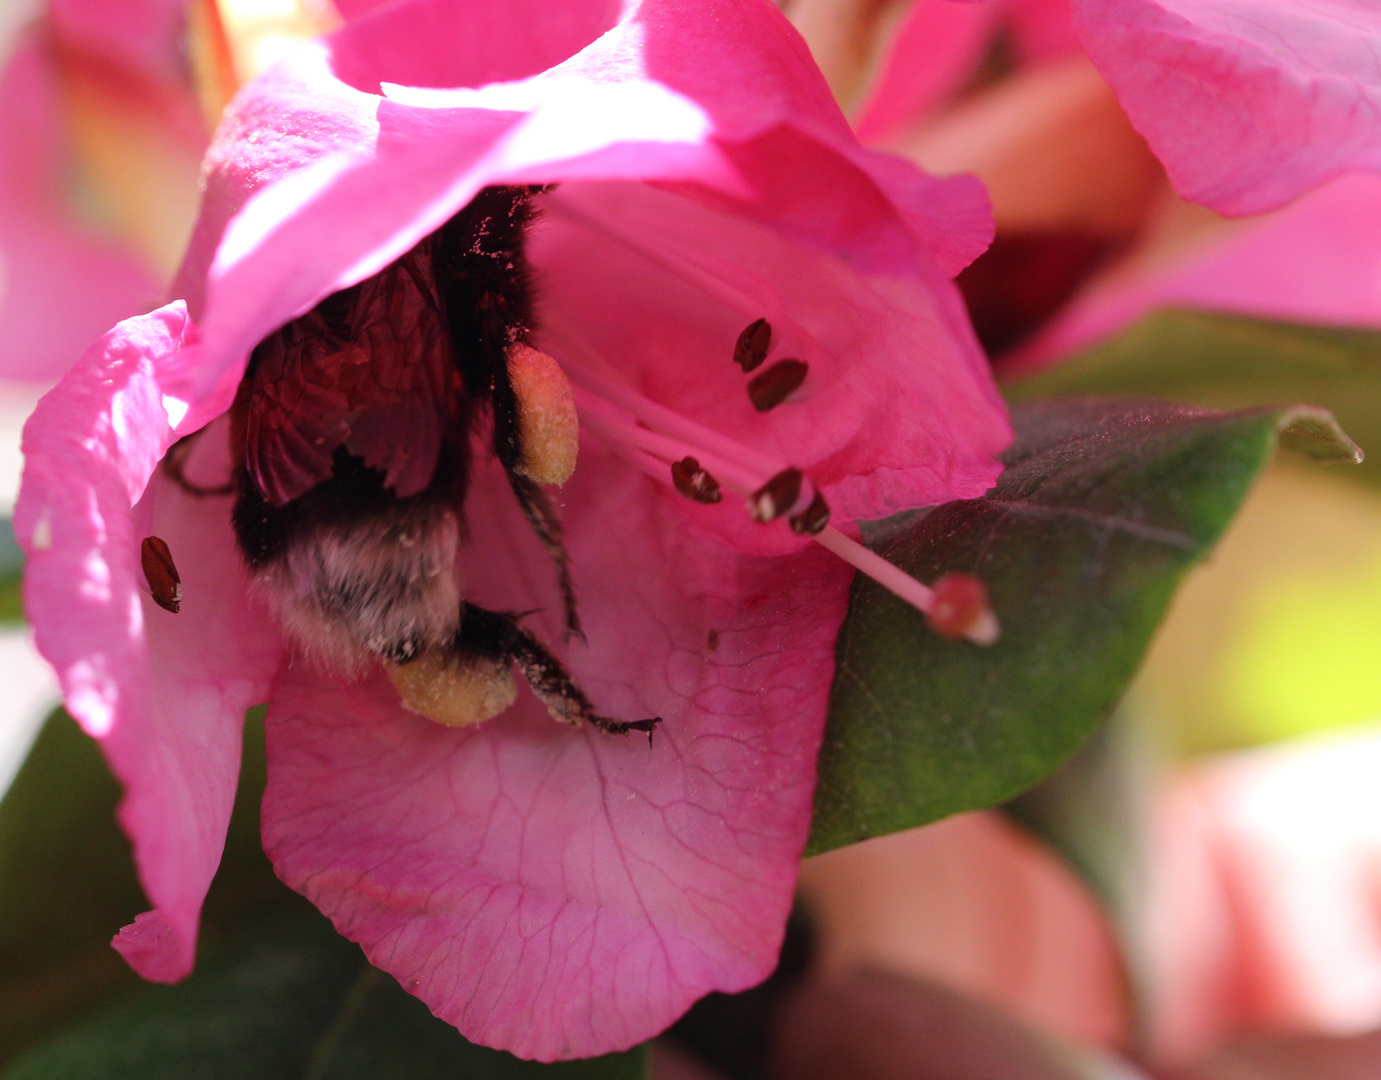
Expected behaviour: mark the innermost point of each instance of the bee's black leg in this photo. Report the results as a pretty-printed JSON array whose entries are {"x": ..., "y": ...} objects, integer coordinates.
[
  {"x": 497, "y": 635},
  {"x": 537, "y": 505},
  {"x": 175, "y": 462},
  {"x": 545, "y": 520},
  {"x": 485, "y": 284}
]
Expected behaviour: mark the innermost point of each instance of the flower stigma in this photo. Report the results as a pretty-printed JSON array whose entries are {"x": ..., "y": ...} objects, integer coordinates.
[{"x": 694, "y": 461}]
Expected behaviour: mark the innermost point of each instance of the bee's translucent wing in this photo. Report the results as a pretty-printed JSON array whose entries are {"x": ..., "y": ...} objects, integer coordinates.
[{"x": 370, "y": 369}]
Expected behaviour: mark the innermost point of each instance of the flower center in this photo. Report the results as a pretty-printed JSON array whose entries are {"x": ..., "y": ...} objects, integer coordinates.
[{"x": 699, "y": 463}]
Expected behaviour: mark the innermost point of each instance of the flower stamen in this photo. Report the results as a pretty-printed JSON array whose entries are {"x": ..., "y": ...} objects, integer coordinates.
[
  {"x": 753, "y": 343},
  {"x": 770, "y": 388},
  {"x": 689, "y": 466},
  {"x": 780, "y": 496},
  {"x": 812, "y": 519},
  {"x": 694, "y": 482}
]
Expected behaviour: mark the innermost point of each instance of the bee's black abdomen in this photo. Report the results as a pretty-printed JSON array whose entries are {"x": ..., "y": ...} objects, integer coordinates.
[{"x": 355, "y": 493}]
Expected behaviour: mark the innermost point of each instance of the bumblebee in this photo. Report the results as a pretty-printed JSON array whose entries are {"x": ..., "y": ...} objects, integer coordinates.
[{"x": 352, "y": 437}]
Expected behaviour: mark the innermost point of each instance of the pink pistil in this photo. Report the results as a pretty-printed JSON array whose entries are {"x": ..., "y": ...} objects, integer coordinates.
[{"x": 628, "y": 423}]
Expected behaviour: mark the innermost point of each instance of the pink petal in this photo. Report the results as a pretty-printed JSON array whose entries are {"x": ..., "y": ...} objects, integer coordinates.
[
  {"x": 1043, "y": 30},
  {"x": 1248, "y": 103},
  {"x": 141, "y": 35},
  {"x": 935, "y": 51},
  {"x": 166, "y": 699},
  {"x": 896, "y": 412},
  {"x": 1313, "y": 261},
  {"x": 1268, "y": 869},
  {"x": 61, "y": 284},
  {"x": 640, "y": 102},
  {"x": 353, "y": 9},
  {"x": 562, "y": 893},
  {"x": 939, "y": 49}
]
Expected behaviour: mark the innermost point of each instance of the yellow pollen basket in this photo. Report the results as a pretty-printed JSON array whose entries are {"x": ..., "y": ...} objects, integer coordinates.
[
  {"x": 454, "y": 694},
  {"x": 548, "y": 426}
]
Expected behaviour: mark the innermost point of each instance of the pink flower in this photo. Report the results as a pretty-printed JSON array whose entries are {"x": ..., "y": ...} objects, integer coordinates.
[
  {"x": 106, "y": 108},
  {"x": 1314, "y": 261},
  {"x": 1240, "y": 124},
  {"x": 550, "y": 891},
  {"x": 91, "y": 83},
  {"x": 1251, "y": 108},
  {"x": 1271, "y": 107},
  {"x": 1263, "y": 906},
  {"x": 1248, "y": 103}
]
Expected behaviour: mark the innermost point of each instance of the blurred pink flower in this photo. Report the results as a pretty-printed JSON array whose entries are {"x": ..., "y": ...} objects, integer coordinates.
[
  {"x": 91, "y": 82},
  {"x": 1250, "y": 107},
  {"x": 105, "y": 111},
  {"x": 1264, "y": 909},
  {"x": 1248, "y": 103},
  {"x": 1263, "y": 870},
  {"x": 978, "y": 904},
  {"x": 1315, "y": 261},
  {"x": 941, "y": 45},
  {"x": 556, "y": 893}
]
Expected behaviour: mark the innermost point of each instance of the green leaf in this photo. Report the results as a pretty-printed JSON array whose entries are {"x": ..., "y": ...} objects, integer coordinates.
[
  {"x": 1104, "y": 506},
  {"x": 11, "y": 575},
  {"x": 1230, "y": 362},
  {"x": 67, "y": 883},
  {"x": 299, "y": 1007}
]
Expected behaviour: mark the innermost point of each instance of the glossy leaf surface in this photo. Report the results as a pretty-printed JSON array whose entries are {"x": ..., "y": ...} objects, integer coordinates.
[
  {"x": 302, "y": 1004},
  {"x": 1104, "y": 506},
  {"x": 1232, "y": 362}
]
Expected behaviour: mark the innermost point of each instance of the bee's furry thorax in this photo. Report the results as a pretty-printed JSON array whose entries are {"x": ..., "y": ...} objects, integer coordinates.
[
  {"x": 353, "y": 434},
  {"x": 354, "y": 429}
]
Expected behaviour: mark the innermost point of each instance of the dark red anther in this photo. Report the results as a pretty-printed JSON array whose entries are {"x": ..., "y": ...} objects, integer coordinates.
[
  {"x": 164, "y": 583},
  {"x": 694, "y": 482},
  {"x": 770, "y": 388},
  {"x": 813, "y": 518},
  {"x": 778, "y": 496},
  {"x": 751, "y": 348},
  {"x": 960, "y": 609}
]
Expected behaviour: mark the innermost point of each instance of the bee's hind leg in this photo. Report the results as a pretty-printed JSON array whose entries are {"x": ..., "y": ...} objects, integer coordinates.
[
  {"x": 545, "y": 520},
  {"x": 493, "y": 635},
  {"x": 535, "y": 438}
]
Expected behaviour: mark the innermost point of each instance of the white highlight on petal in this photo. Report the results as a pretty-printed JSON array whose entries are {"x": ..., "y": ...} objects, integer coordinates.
[
  {"x": 90, "y": 698},
  {"x": 41, "y": 539},
  {"x": 561, "y": 112},
  {"x": 176, "y": 409},
  {"x": 17, "y": 401}
]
